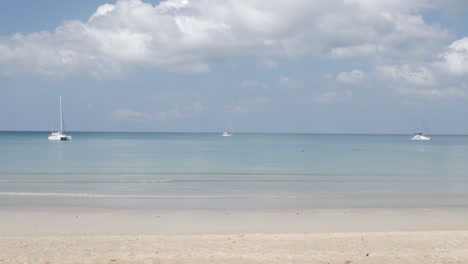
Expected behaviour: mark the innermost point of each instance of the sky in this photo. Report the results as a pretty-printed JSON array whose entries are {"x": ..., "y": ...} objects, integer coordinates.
[{"x": 277, "y": 66}]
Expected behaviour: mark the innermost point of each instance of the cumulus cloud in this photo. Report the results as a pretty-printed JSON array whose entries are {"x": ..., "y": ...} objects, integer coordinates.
[
  {"x": 422, "y": 81},
  {"x": 455, "y": 59},
  {"x": 189, "y": 36}
]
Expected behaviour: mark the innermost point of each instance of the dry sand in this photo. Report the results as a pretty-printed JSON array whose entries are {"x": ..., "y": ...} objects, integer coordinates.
[{"x": 84, "y": 235}]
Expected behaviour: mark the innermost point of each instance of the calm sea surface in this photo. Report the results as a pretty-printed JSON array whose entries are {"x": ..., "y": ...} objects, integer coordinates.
[{"x": 205, "y": 170}]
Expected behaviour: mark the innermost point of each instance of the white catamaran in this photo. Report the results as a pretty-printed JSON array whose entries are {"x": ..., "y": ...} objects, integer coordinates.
[
  {"x": 420, "y": 135},
  {"x": 60, "y": 135},
  {"x": 228, "y": 133}
]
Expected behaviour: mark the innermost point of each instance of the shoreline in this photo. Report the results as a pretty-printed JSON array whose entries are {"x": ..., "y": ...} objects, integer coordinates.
[{"x": 63, "y": 221}]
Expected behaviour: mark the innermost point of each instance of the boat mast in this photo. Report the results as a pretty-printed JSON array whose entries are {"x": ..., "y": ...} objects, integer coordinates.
[
  {"x": 425, "y": 128},
  {"x": 230, "y": 126},
  {"x": 61, "y": 117}
]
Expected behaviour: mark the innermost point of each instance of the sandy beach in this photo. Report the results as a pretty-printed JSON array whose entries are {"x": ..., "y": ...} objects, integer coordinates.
[{"x": 92, "y": 235}]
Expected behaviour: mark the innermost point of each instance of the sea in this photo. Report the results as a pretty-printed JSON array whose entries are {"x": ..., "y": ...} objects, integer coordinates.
[{"x": 243, "y": 171}]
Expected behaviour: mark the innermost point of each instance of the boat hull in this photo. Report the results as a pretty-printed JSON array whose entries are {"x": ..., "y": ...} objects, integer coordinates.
[
  {"x": 59, "y": 136},
  {"x": 423, "y": 138}
]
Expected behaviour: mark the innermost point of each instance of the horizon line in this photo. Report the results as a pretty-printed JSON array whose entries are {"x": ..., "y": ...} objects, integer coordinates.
[{"x": 246, "y": 132}]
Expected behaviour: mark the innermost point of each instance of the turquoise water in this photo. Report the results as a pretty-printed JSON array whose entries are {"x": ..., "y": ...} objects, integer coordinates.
[{"x": 205, "y": 170}]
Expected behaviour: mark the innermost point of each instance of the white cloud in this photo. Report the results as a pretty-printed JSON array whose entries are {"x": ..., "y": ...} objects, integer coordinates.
[
  {"x": 189, "y": 36},
  {"x": 189, "y": 110},
  {"x": 287, "y": 82},
  {"x": 422, "y": 82},
  {"x": 267, "y": 63},
  {"x": 255, "y": 85},
  {"x": 102, "y": 11},
  {"x": 417, "y": 76},
  {"x": 395, "y": 5},
  {"x": 352, "y": 77},
  {"x": 180, "y": 111},
  {"x": 450, "y": 92},
  {"x": 358, "y": 51},
  {"x": 130, "y": 115},
  {"x": 191, "y": 68},
  {"x": 330, "y": 97},
  {"x": 455, "y": 59},
  {"x": 338, "y": 88}
]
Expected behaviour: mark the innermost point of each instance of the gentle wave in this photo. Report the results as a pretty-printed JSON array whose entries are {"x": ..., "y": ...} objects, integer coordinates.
[
  {"x": 316, "y": 196},
  {"x": 214, "y": 174},
  {"x": 91, "y": 195},
  {"x": 350, "y": 181},
  {"x": 222, "y": 178}
]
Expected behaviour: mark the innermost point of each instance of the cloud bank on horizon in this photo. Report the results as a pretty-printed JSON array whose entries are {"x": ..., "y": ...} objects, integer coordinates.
[{"x": 393, "y": 44}]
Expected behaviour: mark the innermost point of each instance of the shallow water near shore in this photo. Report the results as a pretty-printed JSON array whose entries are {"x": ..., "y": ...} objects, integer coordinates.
[{"x": 245, "y": 171}]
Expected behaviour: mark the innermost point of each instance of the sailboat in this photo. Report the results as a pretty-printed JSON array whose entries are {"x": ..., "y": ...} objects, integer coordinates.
[
  {"x": 421, "y": 135},
  {"x": 60, "y": 135},
  {"x": 228, "y": 133}
]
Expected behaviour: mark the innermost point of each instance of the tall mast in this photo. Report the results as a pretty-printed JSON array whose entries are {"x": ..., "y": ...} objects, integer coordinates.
[
  {"x": 230, "y": 126},
  {"x": 425, "y": 127},
  {"x": 61, "y": 117}
]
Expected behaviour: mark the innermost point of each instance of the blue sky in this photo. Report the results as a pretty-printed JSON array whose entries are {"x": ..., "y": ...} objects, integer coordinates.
[{"x": 300, "y": 66}]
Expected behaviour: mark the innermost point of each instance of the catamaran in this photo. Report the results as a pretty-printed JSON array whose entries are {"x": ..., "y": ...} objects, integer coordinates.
[
  {"x": 420, "y": 135},
  {"x": 228, "y": 133},
  {"x": 60, "y": 135}
]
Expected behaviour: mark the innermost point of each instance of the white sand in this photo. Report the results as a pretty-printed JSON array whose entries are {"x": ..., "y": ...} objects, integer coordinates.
[
  {"x": 80, "y": 235},
  {"x": 399, "y": 247}
]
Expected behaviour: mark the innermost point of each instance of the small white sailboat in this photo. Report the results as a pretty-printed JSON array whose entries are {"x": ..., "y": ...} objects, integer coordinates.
[
  {"x": 420, "y": 135},
  {"x": 228, "y": 133},
  {"x": 60, "y": 135}
]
